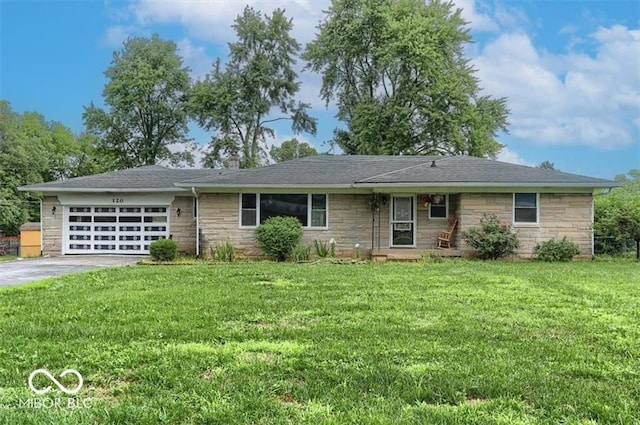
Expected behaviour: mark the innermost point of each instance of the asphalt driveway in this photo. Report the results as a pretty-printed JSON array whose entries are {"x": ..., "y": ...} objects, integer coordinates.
[{"x": 22, "y": 271}]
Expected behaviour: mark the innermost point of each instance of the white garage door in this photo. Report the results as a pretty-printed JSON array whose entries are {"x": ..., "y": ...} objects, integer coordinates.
[{"x": 114, "y": 230}]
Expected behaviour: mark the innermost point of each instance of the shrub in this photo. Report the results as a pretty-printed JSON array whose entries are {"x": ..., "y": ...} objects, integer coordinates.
[
  {"x": 556, "y": 250},
  {"x": 301, "y": 253},
  {"x": 224, "y": 252},
  {"x": 493, "y": 239},
  {"x": 278, "y": 235},
  {"x": 163, "y": 250}
]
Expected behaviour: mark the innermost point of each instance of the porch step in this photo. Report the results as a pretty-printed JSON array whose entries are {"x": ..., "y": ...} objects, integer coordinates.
[{"x": 411, "y": 254}]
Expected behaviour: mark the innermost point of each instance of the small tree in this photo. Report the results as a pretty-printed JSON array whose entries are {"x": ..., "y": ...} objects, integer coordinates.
[
  {"x": 493, "y": 239},
  {"x": 277, "y": 236}
]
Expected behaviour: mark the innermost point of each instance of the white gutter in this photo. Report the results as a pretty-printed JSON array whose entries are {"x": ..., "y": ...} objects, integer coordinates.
[
  {"x": 195, "y": 194},
  {"x": 42, "y": 227}
]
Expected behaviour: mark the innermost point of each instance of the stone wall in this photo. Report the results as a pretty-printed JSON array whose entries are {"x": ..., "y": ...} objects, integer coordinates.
[
  {"x": 561, "y": 215},
  {"x": 350, "y": 223},
  {"x": 183, "y": 229},
  {"x": 51, "y": 226}
]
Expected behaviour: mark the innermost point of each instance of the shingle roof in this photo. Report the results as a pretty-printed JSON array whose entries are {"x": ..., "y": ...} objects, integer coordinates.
[
  {"x": 147, "y": 178},
  {"x": 364, "y": 171},
  {"x": 346, "y": 171}
]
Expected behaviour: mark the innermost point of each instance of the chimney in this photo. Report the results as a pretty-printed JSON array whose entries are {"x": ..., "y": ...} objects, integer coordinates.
[{"x": 234, "y": 161}]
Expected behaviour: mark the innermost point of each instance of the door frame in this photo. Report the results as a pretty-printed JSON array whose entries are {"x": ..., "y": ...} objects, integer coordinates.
[{"x": 414, "y": 220}]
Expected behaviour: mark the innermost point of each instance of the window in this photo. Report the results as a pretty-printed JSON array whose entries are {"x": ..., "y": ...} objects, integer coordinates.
[
  {"x": 195, "y": 207},
  {"x": 318, "y": 210},
  {"x": 309, "y": 209},
  {"x": 438, "y": 206},
  {"x": 249, "y": 209},
  {"x": 525, "y": 208}
]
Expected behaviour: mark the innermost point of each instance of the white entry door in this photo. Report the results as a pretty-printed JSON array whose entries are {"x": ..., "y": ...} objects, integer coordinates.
[
  {"x": 114, "y": 230},
  {"x": 402, "y": 221}
]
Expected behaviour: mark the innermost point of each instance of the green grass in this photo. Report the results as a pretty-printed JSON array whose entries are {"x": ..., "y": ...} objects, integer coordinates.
[
  {"x": 265, "y": 343},
  {"x": 7, "y": 258}
]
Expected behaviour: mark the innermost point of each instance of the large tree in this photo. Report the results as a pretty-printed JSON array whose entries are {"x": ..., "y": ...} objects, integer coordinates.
[
  {"x": 33, "y": 150},
  {"x": 255, "y": 88},
  {"x": 146, "y": 120},
  {"x": 397, "y": 72},
  {"x": 291, "y": 149}
]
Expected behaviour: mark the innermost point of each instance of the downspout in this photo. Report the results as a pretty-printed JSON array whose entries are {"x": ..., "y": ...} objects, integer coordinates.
[
  {"x": 41, "y": 227},
  {"x": 593, "y": 230},
  {"x": 198, "y": 212}
]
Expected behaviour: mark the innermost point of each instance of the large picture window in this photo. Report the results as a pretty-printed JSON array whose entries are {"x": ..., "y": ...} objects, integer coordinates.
[
  {"x": 309, "y": 209},
  {"x": 525, "y": 208}
]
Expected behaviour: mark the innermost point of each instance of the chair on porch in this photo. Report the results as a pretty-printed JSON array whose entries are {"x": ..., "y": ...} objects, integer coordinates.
[{"x": 445, "y": 236}]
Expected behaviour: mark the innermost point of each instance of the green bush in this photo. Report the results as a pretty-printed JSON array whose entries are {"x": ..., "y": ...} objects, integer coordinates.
[
  {"x": 278, "y": 235},
  {"x": 163, "y": 250},
  {"x": 224, "y": 252},
  {"x": 556, "y": 250},
  {"x": 493, "y": 239},
  {"x": 301, "y": 253}
]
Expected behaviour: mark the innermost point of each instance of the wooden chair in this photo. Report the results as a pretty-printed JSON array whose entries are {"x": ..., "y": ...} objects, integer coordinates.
[{"x": 444, "y": 238}]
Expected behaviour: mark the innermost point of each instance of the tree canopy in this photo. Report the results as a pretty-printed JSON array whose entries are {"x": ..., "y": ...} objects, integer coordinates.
[
  {"x": 33, "y": 150},
  {"x": 617, "y": 214},
  {"x": 397, "y": 71},
  {"x": 254, "y": 89},
  {"x": 146, "y": 120},
  {"x": 291, "y": 149}
]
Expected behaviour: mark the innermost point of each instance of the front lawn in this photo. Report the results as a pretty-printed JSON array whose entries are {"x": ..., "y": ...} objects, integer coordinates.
[{"x": 264, "y": 343}]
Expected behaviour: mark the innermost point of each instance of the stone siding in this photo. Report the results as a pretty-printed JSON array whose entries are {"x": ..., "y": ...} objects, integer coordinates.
[
  {"x": 350, "y": 223},
  {"x": 52, "y": 241},
  {"x": 183, "y": 229},
  {"x": 561, "y": 215}
]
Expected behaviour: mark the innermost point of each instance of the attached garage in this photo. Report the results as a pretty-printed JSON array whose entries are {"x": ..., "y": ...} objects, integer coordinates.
[
  {"x": 119, "y": 212},
  {"x": 114, "y": 230}
]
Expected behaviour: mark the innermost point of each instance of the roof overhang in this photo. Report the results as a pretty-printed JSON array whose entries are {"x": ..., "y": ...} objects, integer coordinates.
[{"x": 54, "y": 190}]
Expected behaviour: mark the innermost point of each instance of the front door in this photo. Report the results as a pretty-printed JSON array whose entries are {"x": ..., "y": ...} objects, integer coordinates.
[{"x": 402, "y": 221}]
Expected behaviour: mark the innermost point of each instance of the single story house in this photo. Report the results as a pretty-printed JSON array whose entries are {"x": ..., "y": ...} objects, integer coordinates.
[{"x": 384, "y": 204}]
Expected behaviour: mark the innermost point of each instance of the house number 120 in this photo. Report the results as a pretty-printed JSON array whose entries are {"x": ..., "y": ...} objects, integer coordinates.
[{"x": 117, "y": 200}]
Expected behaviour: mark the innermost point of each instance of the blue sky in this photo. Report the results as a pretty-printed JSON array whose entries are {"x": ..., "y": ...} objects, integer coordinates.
[{"x": 570, "y": 69}]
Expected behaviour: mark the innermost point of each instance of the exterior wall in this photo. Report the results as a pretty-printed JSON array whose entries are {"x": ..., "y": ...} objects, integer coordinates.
[
  {"x": 561, "y": 215},
  {"x": 349, "y": 223},
  {"x": 220, "y": 221},
  {"x": 51, "y": 226},
  {"x": 183, "y": 229}
]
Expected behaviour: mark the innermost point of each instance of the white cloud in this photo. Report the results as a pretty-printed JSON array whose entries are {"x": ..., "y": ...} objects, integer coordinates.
[
  {"x": 507, "y": 155},
  {"x": 195, "y": 57},
  {"x": 478, "y": 20},
  {"x": 211, "y": 20},
  {"x": 116, "y": 35},
  {"x": 570, "y": 99}
]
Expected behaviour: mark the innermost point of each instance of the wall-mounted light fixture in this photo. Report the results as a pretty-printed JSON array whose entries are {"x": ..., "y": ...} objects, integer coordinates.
[
  {"x": 53, "y": 210},
  {"x": 178, "y": 212}
]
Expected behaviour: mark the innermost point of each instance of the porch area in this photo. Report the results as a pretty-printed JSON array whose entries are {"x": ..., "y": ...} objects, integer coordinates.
[{"x": 411, "y": 254}]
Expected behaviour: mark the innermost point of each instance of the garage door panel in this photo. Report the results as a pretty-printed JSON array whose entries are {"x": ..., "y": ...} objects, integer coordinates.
[{"x": 122, "y": 230}]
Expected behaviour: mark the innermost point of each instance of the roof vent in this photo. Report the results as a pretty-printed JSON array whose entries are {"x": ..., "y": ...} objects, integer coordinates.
[{"x": 433, "y": 164}]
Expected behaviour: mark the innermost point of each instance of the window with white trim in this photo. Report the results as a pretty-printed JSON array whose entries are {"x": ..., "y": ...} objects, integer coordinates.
[
  {"x": 438, "y": 206},
  {"x": 525, "y": 208},
  {"x": 309, "y": 209}
]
